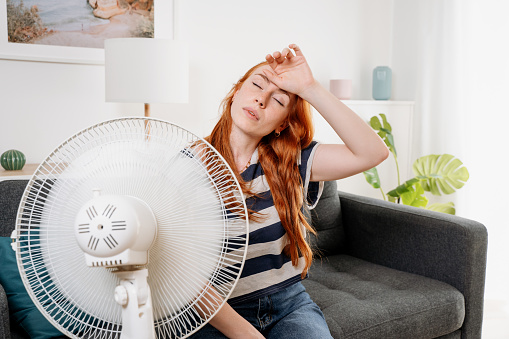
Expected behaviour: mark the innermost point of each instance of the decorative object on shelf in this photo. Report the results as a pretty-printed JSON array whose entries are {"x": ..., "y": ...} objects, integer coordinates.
[
  {"x": 438, "y": 174},
  {"x": 342, "y": 88},
  {"x": 143, "y": 70},
  {"x": 12, "y": 160},
  {"x": 382, "y": 83}
]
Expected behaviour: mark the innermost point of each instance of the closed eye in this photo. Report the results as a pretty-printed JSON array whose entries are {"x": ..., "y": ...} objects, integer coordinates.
[
  {"x": 279, "y": 102},
  {"x": 254, "y": 83}
]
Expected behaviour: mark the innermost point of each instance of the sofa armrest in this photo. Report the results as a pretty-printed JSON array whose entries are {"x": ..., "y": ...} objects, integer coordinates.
[
  {"x": 5, "y": 332},
  {"x": 436, "y": 245}
]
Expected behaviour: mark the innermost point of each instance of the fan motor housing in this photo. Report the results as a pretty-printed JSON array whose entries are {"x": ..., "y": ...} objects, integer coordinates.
[{"x": 115, "y": 230}]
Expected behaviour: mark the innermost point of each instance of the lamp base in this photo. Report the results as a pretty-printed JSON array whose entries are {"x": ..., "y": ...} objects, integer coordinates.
[
  {"x": 147, "y": 115},
  {"x": 147, "y": 110}
]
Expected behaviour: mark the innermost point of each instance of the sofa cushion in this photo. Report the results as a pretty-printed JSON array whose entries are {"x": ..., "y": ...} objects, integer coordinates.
[
  {"x": 21, "y": 308},
  {"x": 364, "y": 300},
  {"x": 4, "y": 314},
  {"x": 326, "y": 220},
  {"x": 12, "y": 190}
]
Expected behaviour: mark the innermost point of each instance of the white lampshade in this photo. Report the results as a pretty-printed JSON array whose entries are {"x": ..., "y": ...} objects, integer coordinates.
[{"x": 146, "y": 70}]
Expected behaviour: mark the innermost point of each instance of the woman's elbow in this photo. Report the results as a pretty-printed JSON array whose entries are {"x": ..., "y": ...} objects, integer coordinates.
[
  {"x": 381, "y": 155},
  {"x": 385, "y": 153}
]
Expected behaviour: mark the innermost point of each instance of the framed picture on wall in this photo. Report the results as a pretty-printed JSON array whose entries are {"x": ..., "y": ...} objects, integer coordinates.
[{"x": 73, "y": 31}]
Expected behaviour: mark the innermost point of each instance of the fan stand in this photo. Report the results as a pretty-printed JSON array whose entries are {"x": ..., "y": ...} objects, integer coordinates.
[
  {"x": 168, "y": 195},
  {"x": 133, "y": 294}
]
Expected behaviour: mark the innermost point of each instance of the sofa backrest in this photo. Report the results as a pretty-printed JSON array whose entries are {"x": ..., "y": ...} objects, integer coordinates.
[
  {"x": 325, "y": 217},
  {"x": 326, "y": 220},
  {"x": 11, "y": 192}
]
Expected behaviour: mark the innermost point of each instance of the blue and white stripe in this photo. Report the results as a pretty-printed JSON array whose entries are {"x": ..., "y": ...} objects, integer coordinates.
[{"x": 267, "y": 269}]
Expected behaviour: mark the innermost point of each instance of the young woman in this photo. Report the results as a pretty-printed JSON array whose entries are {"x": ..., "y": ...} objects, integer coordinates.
[{"x": 265, "y": 133}]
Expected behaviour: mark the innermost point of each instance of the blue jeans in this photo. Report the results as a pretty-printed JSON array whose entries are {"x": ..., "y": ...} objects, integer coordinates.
[{"x": 289, "y": 313}]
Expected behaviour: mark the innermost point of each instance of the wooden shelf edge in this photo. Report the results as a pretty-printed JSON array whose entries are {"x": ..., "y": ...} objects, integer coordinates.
[{"x": 27, "y": 171}]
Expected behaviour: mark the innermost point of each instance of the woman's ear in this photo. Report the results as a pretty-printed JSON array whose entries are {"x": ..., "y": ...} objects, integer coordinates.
[{"x": 282, "y": 127}]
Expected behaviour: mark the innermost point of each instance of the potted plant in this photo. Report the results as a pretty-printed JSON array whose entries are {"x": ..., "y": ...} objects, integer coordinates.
[{"x": 439, "y": 174}]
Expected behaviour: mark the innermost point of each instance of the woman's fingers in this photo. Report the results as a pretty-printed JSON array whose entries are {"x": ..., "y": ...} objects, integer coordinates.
[
  {"x": 285, "y": 54},
  {"x": 297, "y": 49},
  {"x": 272, "y": 62},
  {"x": 271, "y": 76},
  {"x": 278, "y": 56},
  {"x": 284, "y": 58}
]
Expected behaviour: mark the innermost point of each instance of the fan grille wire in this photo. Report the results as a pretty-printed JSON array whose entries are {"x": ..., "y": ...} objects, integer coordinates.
[{"x": 201, "y": 241}]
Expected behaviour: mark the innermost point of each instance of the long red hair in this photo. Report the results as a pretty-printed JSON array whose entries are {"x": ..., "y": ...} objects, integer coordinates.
[{"x": 278, "y": 157}]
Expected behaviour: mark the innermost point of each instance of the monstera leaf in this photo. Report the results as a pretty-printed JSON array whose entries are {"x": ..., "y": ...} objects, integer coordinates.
[
  {"x": 403, "y": 188},
  {"x": 414, "y": 196},
  {"x": 384, "y": 130},
  {"x": 372, "y": 177},
  {"x": 440, "y": 174},
  {"x": 447, "y": 207}
]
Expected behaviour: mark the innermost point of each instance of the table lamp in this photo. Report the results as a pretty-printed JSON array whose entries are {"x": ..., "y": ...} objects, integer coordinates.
[{"x": 146, "y": 70}]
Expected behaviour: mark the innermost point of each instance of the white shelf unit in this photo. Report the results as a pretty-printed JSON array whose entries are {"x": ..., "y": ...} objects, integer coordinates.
[
  {"x": 26, "y": 173},
  {"x": 400, "y": 116}
]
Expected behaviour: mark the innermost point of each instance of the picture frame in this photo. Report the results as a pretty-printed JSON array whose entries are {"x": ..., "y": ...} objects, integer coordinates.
[{"x": 163, "y": 28}]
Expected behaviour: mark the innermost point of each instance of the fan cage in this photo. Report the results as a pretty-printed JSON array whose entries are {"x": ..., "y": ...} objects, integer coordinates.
[{"x": 55, "y": 192}]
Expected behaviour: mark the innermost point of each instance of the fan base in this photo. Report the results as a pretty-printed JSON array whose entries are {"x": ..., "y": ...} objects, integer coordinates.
[{"x": 133, "y": 295}]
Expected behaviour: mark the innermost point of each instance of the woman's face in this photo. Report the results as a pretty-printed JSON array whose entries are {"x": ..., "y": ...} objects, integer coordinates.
[{"x": 260, "y": 107}]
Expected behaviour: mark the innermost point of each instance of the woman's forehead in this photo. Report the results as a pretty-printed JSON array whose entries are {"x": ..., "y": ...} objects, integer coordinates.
[
  {"x": 258, "y": 72},
  {"x": 263, "y": 66}
]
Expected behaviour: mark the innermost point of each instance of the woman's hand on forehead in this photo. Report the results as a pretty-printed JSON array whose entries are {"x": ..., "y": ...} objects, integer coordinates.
[{"x": 290, "y": 71}]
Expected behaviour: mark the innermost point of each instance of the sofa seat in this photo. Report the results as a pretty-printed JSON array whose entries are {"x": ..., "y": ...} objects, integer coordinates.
[{"x": 363, "y": 300}]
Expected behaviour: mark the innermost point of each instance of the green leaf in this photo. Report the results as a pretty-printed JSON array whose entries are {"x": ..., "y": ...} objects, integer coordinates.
[
  {"x": 372, "y": 177},
  {"x": 442, "y": 174},
  {"x": 448, "y": 208},
  {"x": 386, "y": 124},
  {"x": 389, "y": 141},
  {"x": 382, "y": 134},
  {"x": 384, "y": 130},
  {"x": 414, "y": 196},
  {"x": 403, "y": 188},
  {"x": 375, "y": 123}
]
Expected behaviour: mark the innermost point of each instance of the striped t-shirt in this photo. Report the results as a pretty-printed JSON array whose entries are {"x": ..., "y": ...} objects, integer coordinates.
[{"x": 267, "y": 269}]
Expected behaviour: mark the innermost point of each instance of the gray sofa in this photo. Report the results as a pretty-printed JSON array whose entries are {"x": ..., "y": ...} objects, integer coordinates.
[{"x": 382, "y": 270}]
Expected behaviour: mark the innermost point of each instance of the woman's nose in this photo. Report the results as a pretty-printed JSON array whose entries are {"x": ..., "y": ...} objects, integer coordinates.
[{"x": 260, "y": 100}]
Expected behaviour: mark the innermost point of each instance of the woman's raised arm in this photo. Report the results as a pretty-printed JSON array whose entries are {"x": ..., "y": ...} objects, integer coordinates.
[{"x": 362, "y": 148}]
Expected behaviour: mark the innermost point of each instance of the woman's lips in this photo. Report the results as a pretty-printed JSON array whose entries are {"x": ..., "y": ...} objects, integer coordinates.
[{"x": 251, "y": 113}]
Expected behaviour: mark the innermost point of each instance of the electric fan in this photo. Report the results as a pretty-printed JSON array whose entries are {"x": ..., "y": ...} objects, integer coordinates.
[{"x": 132, "y": 228}]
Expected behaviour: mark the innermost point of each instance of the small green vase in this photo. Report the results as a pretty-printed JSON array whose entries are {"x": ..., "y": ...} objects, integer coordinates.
[{"x": 12, "y": 160}]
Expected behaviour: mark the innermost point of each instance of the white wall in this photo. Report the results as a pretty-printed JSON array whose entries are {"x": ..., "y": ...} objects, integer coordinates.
[
  {"x": 465, "y": 112},
  {"x": 487, "y": 118},
  {"x": 42, "y": 104}
]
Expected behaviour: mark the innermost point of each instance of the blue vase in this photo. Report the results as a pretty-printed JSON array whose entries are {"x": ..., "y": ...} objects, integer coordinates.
[{"x": 382, "y": 82}]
